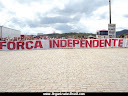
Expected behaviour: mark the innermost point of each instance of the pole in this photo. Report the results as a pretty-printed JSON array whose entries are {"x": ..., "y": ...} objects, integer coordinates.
[{"x": 110, "y": 11}]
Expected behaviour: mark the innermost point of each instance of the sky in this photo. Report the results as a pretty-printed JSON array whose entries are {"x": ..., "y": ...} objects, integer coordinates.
[{"x": 62, "y": 16}]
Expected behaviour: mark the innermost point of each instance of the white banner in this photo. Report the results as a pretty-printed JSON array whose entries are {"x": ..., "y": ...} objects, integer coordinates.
[{"x": 64, "y": 43}]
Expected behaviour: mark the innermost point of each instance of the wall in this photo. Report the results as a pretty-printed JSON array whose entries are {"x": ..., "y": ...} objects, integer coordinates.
[{"x": 10, "y": 32}]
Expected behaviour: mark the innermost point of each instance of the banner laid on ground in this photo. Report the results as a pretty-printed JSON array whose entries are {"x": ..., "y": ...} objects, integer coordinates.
[{"x": 64, "y": 43}]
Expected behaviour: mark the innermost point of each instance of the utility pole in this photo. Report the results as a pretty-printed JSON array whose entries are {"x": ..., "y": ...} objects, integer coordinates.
[
  {"x": 111, "y": 27},
  {"x": 110, "y": 11}
]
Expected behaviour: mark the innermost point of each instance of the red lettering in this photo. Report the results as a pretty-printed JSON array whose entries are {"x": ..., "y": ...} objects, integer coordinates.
[
  {"x": 81, "y": 43},
  {"x": 120, "y": 43},
  {"x": 75, "y": 42},
  {"x": 38, "y": 44},
  {"x": 115, "y": 41},
  {"x": 1, "y": 45},
  {"x": 95, "y": 42},
  {"x": 9, "y": 45},
  {"x": 20, "y": 44},
  {"x": 56, "y": 43},
  {"x": 50, "y": 43},
  {"x": 101, "y": 43},
  {"x": 27, "y": 46},
  {"x": 61, "y": 43},
  {"x": 69, "y": 43},
  {"x": 88, "y": 43},
  {"x": 107, "y": 43}
]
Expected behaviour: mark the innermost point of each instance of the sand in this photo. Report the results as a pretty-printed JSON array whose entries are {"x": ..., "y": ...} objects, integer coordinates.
[{"x": 64, "y": 70}]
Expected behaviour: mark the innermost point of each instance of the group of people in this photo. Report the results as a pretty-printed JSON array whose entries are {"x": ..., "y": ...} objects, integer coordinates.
[
  {"x": 24, "y": 38},
  {"x": 21, "y": 39}
]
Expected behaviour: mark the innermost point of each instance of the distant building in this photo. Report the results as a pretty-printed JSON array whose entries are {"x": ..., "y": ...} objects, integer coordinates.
[
  {"x": 102, "y": 34},
  {"x": 8, "y": 32}
]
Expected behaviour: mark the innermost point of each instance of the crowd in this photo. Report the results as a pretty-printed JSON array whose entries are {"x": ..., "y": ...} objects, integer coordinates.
[
  {"x": 24, "y": 38},
  {"x": 20, "y": 39}
]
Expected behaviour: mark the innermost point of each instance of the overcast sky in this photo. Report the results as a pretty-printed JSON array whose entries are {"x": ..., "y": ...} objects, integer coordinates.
[{"x": 62, "y": 16}]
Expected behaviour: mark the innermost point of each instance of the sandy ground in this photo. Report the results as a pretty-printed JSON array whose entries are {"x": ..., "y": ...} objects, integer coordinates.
[{"x": 64, "y": 70}]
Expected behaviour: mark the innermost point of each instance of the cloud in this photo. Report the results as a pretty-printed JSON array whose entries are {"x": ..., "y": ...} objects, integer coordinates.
[
  {"x": 47, "y": 16},
  {"x": 51, "y": 20},
  {"x": 1, "y": 6},
  {"x": 64, "y": 27},
  {"x": 57, "y": 19},
  {"x": 22, "y": 23},
  {"x": 81, "y": 6},
  {"x": 28, "y": 1},
  {"x": 126, "y": 16}
]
